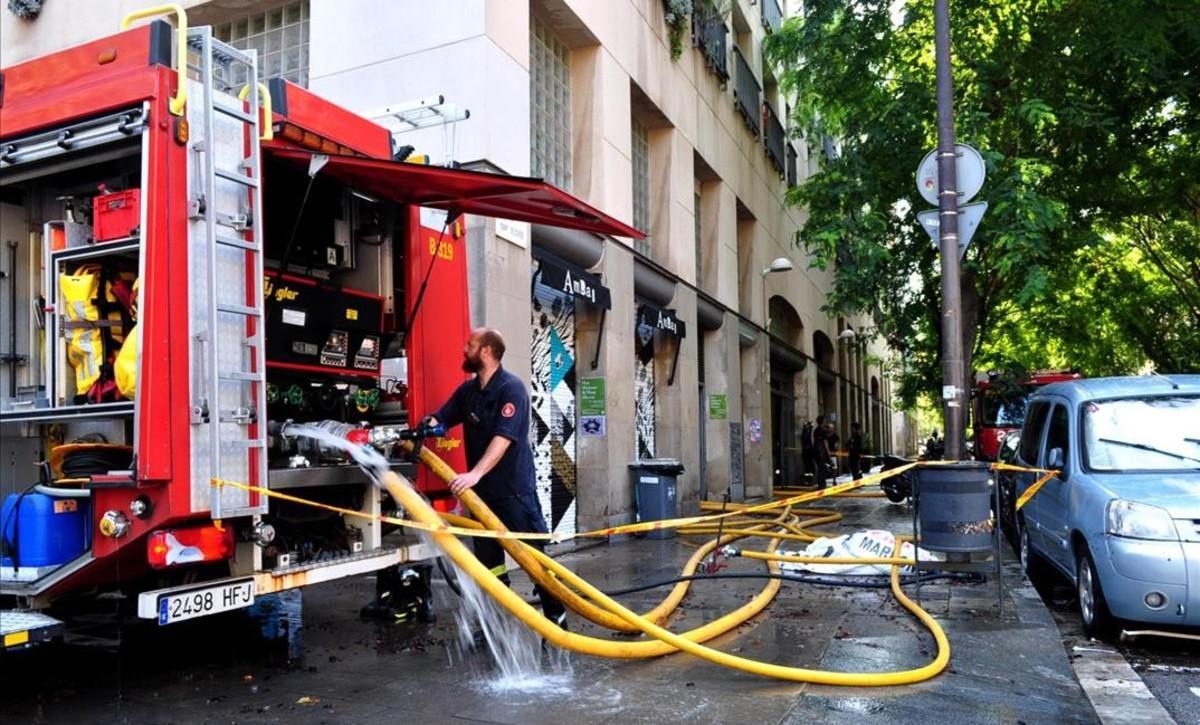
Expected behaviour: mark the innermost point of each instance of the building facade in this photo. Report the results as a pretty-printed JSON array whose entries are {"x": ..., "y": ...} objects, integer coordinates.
[{"x": 682, "y": 345}]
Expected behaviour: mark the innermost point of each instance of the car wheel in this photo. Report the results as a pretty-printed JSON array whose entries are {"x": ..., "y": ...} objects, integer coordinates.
[
  {"x": 893, "y": 492},
  {"x": 1031, "y": 561},
  {"x": 1097, "y": 621}
]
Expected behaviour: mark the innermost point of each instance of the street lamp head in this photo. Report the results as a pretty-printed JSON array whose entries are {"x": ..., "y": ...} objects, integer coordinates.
[
  {"x": 779, "y": 264},
  {"x": 847, "y": 334}
]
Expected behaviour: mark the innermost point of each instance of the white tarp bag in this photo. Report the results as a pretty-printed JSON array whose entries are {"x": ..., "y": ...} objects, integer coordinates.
[{"x": 869, "y": 544}]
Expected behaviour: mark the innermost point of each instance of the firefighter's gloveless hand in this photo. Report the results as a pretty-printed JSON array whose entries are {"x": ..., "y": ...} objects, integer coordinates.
[{"x": 463, "y": 481}]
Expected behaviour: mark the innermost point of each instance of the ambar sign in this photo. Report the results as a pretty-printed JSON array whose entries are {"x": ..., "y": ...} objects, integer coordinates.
[
  {"x": 574, "y": 282},
  {"x": 664, "y": 320}
]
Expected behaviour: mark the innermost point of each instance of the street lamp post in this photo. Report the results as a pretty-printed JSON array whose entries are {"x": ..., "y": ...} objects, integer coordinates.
[{"x": 953, "y": 374}]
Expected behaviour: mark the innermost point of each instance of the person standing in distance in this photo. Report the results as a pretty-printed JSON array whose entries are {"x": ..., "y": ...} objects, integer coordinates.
[
  {"x": 824, "y": 460},
  {"x": 855, "y": 450},
  {"x": 493, "y": 408}
]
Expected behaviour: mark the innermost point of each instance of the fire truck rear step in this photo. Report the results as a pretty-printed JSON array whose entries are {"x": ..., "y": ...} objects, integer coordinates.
[{"x": 19, "y": 630}]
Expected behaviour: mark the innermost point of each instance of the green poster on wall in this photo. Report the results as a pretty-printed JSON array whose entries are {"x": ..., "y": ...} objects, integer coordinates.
[
  {"x": 717, "y": 407},
  {"x": 591, "y": 396}
]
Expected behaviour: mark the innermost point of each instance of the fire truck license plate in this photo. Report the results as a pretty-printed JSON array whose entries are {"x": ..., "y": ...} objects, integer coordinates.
[{"x": 178, "y": 606}]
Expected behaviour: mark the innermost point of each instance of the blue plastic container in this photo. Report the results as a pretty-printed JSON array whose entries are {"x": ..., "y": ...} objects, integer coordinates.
[{"x": 41, "y": 530}]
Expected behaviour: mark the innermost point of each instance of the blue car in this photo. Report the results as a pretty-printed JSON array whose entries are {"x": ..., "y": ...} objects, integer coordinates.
[{"x": 1122, "y": 519}]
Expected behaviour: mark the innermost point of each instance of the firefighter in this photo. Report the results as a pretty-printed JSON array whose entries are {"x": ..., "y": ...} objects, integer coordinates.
[{"x": 493, "y": 408}]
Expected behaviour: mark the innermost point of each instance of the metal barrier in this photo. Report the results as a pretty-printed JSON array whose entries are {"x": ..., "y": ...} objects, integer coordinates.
[
  {"x": 746, "y": 92},
  {"x": 773, "y": 139},
  {"x": 709, "y": 35}
]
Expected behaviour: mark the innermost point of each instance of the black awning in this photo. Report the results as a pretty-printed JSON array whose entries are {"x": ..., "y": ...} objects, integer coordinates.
[
  {"x": 660, "y": 319},
  {"x": 566, "y": 277}
]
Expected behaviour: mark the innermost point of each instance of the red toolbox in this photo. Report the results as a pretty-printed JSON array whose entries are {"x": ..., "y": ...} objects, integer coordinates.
[{"x": 116, "y": 214}]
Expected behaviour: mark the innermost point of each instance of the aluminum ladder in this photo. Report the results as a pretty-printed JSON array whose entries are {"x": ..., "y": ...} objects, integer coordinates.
[{"x": 233, "y": 403}]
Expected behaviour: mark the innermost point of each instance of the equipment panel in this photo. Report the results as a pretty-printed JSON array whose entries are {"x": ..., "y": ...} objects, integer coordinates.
[{"x": 317, "y": 327}]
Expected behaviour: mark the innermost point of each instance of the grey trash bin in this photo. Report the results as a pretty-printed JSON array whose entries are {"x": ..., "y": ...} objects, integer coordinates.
[
  {"x": 954, "y": 502},
  {"x": 655, "y": 491}
]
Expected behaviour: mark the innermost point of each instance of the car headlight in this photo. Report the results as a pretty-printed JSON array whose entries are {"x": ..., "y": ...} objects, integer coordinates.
[{"x": 1139, "y": 521}]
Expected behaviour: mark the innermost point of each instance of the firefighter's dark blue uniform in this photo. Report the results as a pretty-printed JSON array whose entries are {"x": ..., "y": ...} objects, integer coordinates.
[{"x": 509, "y": 489}]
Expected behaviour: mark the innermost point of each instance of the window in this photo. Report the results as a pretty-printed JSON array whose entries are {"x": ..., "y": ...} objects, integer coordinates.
[
  {"x": 641, "y": 184},
  {"x": 550, "y": 107},
  {"x": 1006, "y": 410},
  {"x": 1059, "y": 433},
  {"x": 279, "y": 34},
  {"x": 1142, "y": 434},
  {"x": 1031, "y": 435}
]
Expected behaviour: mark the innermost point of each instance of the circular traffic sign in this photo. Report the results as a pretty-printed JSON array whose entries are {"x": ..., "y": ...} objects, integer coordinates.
[{"x": 968, "y": 168}]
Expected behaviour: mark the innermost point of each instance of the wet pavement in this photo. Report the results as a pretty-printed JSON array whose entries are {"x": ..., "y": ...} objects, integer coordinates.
[
  {"x": 1004, "y": 668},
  {"x": 1168, "y": 668}
]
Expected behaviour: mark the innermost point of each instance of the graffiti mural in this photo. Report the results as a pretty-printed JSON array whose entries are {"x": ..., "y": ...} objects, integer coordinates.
[
  {"x": 643, "y": 382},
  {"x": 553, "y": 402}
]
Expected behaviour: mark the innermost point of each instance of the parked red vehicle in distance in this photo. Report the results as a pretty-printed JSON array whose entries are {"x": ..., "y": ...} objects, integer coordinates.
[{"x": 998, "y": 406}]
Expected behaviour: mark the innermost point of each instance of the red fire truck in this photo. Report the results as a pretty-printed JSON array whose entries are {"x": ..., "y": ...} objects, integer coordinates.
[
  {"x": 209, "y": 261},
  {"x": 999, "y": 404}
]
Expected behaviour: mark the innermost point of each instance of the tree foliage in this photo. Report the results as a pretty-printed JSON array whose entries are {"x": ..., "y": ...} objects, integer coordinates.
[{"x": 1086, "y": 115}]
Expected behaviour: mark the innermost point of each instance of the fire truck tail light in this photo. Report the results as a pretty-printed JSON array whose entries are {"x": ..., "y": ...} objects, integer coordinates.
[{"x": 175, "y": 547}]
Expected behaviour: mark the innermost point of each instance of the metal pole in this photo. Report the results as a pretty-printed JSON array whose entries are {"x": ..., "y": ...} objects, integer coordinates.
[
  {"x": 953, "y": 392},
  {"x": 764, "y": 380}
]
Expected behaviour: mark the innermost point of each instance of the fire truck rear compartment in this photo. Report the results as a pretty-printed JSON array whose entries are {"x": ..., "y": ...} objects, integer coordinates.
[{"x": 71, "y": 215}]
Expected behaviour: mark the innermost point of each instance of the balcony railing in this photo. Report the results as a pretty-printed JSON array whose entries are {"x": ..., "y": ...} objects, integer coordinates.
[
  {"x": 793, "y": 165},
  {"x": 709, "y": 34},
  {"x": 773, "y": 138},
  {"x": 772, "y": 16},
  {"x": 746, "y": 92}
]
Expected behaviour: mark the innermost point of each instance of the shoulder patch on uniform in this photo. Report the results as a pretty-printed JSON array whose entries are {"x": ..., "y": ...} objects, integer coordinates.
[{"x": 509, "y": 410}]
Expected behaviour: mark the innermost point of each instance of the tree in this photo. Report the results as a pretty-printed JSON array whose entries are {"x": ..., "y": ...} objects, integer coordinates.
[{"x": 1086, "y": 116}]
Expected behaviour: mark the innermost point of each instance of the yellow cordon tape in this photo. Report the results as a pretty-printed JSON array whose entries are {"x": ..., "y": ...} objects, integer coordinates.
[
  {"x": 557, "y": 538},
  {"x": 1033, "y": 489},
  {"x": 689, "y": 521},
  {"x": 457, "y": 531}
]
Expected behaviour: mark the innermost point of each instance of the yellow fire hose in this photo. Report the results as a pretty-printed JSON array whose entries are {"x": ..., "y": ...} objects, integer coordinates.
[
  {"x": 668, "y": 641},
  {"x": 735, "y": 525},
  {"x": 484, "y": 517},
  {"x": 520, "y": 552},
  {"x": 553, "y": 576},
  {"x": 663, "y": 611}
]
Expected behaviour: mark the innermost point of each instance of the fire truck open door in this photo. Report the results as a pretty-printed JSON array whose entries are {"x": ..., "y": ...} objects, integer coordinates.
[{"x": 436, "y": 335}]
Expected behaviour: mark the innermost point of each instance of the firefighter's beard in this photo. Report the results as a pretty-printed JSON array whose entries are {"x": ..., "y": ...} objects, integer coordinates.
[{"x": 472, "y": 364}]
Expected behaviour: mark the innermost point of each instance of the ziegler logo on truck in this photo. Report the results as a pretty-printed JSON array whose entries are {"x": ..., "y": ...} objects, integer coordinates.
[{"x": 283, "y": 294}]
